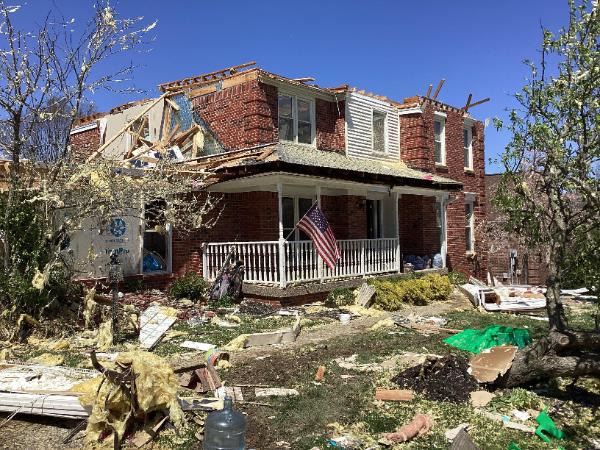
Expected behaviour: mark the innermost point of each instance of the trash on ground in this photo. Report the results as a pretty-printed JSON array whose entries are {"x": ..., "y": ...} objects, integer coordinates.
[
  {"x": 225, "y": 428},
  {"x": 490, "y": 364},
  {"x": 521, "y": 415},
  {"x": 505, "y": 298},
  {"x": 384, "y": 323},
  {"x": 282, "y": 336},
  {"x": 320, "y": 373},
  {"x": 235, "y": 392},
  {"x": 350, "y": 363},
  {"x": 365, "y": 294},
  {"x": 452, "y": 433},
  {"x": 275, "y": 392},
  {"x": 480, "y": 399},
  {"x": 394, "y": 395},
  {"x": 420, "y": 425},
  {"x": 154, "y": 323},
  {"x": 200, "y": 346},
  {"x": 48, "y": 359},
  {"x": 475, "y": 341},
  {"x": 431, "y": 379},
  {"x": 345, "y": 318},
  {"x": 547, "y": 429},
  {"x": 345, "y": 443},
  {"x": 463, "y": 441}
]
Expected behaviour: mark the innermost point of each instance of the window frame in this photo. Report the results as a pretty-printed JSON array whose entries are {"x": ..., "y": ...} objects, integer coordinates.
[
  {"x": 385, "y": 131},
  {"x": 441, "y": 118},
  {"x": 312, "y": 112},
  {"x": 469, "y": 129},
  {"x": 296, "y": 206},
  {"x": 470, "y": 224},
  {"x": 168, "y": 246}
]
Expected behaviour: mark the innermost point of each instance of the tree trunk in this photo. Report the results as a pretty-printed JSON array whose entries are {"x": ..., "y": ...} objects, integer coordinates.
[{"x": 566, "y": 353}]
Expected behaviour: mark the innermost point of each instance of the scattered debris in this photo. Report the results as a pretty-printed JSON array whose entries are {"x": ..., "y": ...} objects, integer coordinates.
[
  {"x": 394, "y": 395},
  {"x": 345, "y": 318},
  {"x": 351, "y": 364},
  {"x": 521, "y": 415},
  {"x": 154, "y": 323},
  {"x": 365, "y": 294},
  {"x": 149, "y": 432},
  {"x": 547, "y": 429},
  {"x": 320, "y": 373},
  {"x": 283, "y": 336},
  {"x": 431, "y": 379},
  {"x": 254, "y": 308},
  {"x": 275, "y": 392},
  {"x": 345, "y": 443},
  {"x": 480, "y": 399},
  {"x": 235, "y": 392},
  {"x": 384, "y": 323},
  {"x": 463, "y": 441},
  {"x": 420, "y": 425},
  {"x": 475, "y": 341},
  {"x": 48, "y": 359},
  {"x": 490, "y": 364},
  {"x": 452, "y": 433},
  {"x": 200, "y": 346}
]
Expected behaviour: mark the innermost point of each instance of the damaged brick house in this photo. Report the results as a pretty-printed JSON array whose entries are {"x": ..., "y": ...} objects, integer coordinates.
[{"x": 399, "y": 182}]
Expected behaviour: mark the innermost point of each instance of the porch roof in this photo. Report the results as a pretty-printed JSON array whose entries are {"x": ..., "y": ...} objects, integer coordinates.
[{"x": 305, "y": 159}]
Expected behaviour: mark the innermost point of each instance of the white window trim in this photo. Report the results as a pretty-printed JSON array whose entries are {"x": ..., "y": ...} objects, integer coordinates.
[
  {"x": 469, "y": 129},
  {"x": 470, "y": 246},
  {"x": 296, "y": 199},
  {"x": 385, "y": 132},
  {"x": 440, "y": 117},
  {"x": 313, "y": 120}
]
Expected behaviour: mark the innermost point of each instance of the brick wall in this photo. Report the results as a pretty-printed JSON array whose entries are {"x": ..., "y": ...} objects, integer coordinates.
[
  {"x": 330, "y": 124},
  {"x": 417, "y": 144},
  {"x": 241, "y": 116},
  {"x": 246, "y": 216},
  {"x": 419, "y": 234},
  {"x": 346, "y": 215},
  {"x": 85, "y": 143}
]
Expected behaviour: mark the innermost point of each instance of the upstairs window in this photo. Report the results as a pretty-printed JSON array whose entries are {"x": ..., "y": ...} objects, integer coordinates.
[
  {"x": 379, "y": 131},
  {"x": 296, "y": 119},
  {"x": 468, "y": 147},
  {"x": 440, "y": 139}
]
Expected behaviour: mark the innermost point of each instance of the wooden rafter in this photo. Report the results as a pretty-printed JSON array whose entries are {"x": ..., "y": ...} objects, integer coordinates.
[
  {"x": 211, "y": 76},
  {"x": 439, "y": 87},
  {"x": 477, "y": 103}
]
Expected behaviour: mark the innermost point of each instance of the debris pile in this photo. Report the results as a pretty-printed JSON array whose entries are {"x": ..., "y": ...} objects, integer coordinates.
[
  {"x": 253, "y": 308},
  {"x": 443, "y": 379}
]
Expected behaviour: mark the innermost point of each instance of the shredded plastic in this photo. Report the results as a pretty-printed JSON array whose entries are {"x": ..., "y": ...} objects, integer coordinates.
[{"x": 475, "y": 341}]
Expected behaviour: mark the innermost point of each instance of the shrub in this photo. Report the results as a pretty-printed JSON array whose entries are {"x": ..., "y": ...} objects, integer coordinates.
[
  {"x": 391, "y": 295},
  {"x": 340, "y": 297},
  {"x": 224, "y": 302},
  {"x": 191, "y": 286},
  {"x": 457, "y": 278}
]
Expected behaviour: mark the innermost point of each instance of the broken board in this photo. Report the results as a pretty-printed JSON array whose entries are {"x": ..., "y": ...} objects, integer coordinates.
[
  {"x": 154, "y": 323},
  {"x": 492, "y": 363},
  {"x": 365, "y": 295}
]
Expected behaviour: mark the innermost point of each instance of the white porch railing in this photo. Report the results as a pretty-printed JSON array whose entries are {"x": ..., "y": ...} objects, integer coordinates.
[{"x": 301, "y": 263}]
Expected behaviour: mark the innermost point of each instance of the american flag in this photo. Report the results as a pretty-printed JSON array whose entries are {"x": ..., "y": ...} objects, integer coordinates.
[{"x": 316, "y": 226}]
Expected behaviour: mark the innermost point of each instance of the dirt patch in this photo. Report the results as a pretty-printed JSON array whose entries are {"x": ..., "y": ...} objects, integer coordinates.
[{"x": 443, "y": 379}]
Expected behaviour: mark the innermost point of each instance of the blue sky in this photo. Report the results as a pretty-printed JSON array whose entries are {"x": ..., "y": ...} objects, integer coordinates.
[{"x": 393, "y": 48}]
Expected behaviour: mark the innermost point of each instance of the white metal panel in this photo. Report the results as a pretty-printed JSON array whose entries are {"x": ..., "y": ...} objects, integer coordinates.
[{"x": 359, "y": 126}]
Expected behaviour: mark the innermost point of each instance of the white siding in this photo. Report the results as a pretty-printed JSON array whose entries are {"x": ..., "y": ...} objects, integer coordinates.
[{"x": 359, "y": 133}]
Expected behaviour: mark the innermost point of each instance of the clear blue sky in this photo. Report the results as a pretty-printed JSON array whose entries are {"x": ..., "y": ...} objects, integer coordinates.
[{"x": 393, "y": 48}]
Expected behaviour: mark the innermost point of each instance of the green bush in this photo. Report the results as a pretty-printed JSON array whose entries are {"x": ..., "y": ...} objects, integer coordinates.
[
  {"x": 191, "y": 286},
  {"x": 392, "y": 295},
  {"x": 457, "y": 278},
  {"x": 16, "y": 290},
  {"x": 224, "y": 302},
  {"x": 340, "y": 297}
]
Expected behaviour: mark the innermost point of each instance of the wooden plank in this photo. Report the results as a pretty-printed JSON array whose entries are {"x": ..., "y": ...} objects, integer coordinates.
[
  {"x": 429, "y": 90},
  {"x": 126, "y": 127},
  {"x": 479, "y": 102},
  {"x": 439, "y": 87},
  {"x": 172, "y": 104}
]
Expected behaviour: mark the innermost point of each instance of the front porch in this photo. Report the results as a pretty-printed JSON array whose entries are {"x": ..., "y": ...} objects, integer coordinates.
[{"x": 372, "y": 223}]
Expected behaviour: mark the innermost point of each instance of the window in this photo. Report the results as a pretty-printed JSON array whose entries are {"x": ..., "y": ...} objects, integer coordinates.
[
  {"x": 294, "y": 209},
  {"x": 468, "y": 146},
  {"x": 438, "y": 219},
  {"x": 379, "y": 131},
  {"x": 440, "y": 140},
  {"x": 469, "y": 225},
  {"x": 156, "y": 238},
  {"x": 296, "y": 119},
  {"x": 374, "y": 222}
]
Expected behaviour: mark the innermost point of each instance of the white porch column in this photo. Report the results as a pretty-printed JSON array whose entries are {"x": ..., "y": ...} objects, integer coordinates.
[
  {"x": 396, "y": 198},
  {"x": 444, "y": 237},
  {"x": 320, "y": 268},
  {"x": 281, "y": 241}
]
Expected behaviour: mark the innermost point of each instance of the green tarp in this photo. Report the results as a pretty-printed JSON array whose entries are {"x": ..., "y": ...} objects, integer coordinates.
[{"x": 475, "y": 341}]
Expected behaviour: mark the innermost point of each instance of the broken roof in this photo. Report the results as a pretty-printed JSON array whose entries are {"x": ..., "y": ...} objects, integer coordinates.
[{"x": 300, "y": 158}]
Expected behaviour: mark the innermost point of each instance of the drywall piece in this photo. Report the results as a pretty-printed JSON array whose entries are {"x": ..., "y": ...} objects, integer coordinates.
[
  {"x": 365, "y": 295},
  {"x": 154, "y": 323},
  {"x": 274, "y": 337},
  {"x": 492, "y": 363},
  {"x": 481, "y": 398},
  {"x": 200, "y": 346},
  {"x": 275, "y": 392}
]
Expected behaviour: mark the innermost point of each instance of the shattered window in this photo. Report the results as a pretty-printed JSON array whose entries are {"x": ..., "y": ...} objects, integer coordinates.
[
  {"x": 156, "y": 237},
  {"x": 469, "y": 225},
  {"x": 379, "y": 131},
  {"x": 286, "y": 118}
]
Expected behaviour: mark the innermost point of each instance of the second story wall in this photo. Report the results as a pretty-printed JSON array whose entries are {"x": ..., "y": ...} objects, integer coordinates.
[{"x": 372, "y": 128}]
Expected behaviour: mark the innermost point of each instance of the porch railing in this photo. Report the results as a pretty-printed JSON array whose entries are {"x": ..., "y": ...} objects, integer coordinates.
[{"x": 300, "y": 262}]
